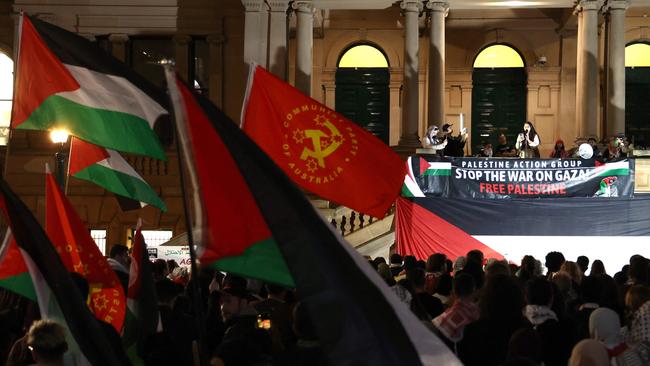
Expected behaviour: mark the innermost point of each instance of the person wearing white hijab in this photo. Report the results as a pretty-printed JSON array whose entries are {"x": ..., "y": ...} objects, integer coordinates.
[{"x": 605, "y": 327}]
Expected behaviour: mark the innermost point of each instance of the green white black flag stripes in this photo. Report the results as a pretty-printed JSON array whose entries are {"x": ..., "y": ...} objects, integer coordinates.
[
  {"x": 108, "y": 169},
  {"x": 64, "y": 81}
]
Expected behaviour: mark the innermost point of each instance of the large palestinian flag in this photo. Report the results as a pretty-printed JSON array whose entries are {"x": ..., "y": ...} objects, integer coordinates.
[
  {"x": 358, "y": 319},
  {"x": 608, "y": 228},
  {"x": 64, "y": 81}
]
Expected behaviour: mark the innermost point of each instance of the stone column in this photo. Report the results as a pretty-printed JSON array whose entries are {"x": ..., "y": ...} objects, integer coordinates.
[
  {"x": 278, "y": 38},
  {"x": 182, "y": 55},
  {"x": 586, "y": 84},
  {"x": 255, "y": 32},
  {"x": 616, "y": 72},
  {"x": 216, "y": 68},
  {"x": 436, "y": 100},
  {"x": 118, "y": 45},
  {"x": 409, "y": 137},
  {"x": 304, "y": 44}
]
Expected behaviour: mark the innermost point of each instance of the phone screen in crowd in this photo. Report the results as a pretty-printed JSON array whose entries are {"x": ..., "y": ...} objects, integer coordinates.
[{"x": 264, "y": 322}]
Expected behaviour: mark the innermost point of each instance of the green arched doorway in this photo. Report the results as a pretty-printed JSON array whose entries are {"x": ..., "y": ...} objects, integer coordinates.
[
  {"x": 498, "y": 95},
  {"x": 362, "y": 93},
  {"x": 637, "y": 93}
]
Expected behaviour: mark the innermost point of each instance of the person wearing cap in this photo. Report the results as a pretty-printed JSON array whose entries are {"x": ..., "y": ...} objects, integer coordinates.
[
  {"x": 243, "y": 342},
  {"x": 456, "y": 144}
]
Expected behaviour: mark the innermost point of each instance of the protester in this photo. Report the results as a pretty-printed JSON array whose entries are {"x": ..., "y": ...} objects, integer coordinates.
[
  {"x": 597, "y": 268},
  {"x": 456, "y": 144},
  {"x": 46, "y": 341},
  {"x": 605, "y": 327},
  {"x": 244, "y": 343},
  {"x": 463, "y": 311},
  {"x": 556, "y": 337},
  {"x": 504, "y": 149},
  {"x": 120, "y": 262},
  {"x": 528, "y": 142},
  {"x": 485, "y": 341},
  {"x": 395, "y": 264},
  {"x": 589, "y": 353},
  {"x": 486, "y": 150},
  {"x": 558, "y": 150},
  {"x": 554, "y": 261},
  {"x": 431, "y": 304},
  {"x": 616, "y": 150},
  {"x": 435, "y": 268}
]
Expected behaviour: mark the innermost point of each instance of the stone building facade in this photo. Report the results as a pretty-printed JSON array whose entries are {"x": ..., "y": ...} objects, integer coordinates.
[{"x": 573, "y": 69}]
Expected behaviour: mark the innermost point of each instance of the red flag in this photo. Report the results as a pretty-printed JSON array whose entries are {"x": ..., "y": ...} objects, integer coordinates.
[
  {"x": 80, "y": 254},
  {"x": 319, "y": 149}
]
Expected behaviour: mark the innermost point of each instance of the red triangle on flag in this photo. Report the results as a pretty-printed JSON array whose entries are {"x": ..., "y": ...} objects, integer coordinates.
[
  {"x": 40, "y": 74},
  {"x": 84, "y": 154}
]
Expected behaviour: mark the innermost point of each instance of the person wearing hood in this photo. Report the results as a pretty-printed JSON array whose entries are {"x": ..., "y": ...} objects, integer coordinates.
[{"x": 559, "y": 151}]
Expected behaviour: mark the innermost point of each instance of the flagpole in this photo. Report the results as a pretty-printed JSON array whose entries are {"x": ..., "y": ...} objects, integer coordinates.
[{"x": 196, "y": 290}]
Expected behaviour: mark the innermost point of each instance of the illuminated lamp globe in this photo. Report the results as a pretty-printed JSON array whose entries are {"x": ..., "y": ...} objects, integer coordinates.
[{"x": 59, "y": 136}]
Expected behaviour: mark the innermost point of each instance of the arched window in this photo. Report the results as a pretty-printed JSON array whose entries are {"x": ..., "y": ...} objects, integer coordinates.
[
  {"x": 637, "y": 55},
  {"x": 362, "y": 56},
  {"x": 498, "y": 56},
  {"x": 6, "y": 94}
]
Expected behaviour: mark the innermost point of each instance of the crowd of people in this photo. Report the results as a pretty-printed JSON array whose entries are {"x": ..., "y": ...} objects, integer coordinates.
[
  {"x": 489, "y": 312},
  {"x": 498, "y": 313}
]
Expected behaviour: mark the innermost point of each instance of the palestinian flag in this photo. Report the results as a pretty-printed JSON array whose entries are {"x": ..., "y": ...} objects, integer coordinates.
[
  {"x": 319, "y": 149},
  {"x": 108, "y": 169},
  {"x": 357, "y": 317},
  {"x": 58, "y": 297},
  {"x": 14, "y": 275},
  {"x": 80, "y": 254},
  {"x": 64, "y": 81},
  {"x": 611, "y": 230},
  {"x": 410, "y": 188},
  {"x": 142, "y": 317}
]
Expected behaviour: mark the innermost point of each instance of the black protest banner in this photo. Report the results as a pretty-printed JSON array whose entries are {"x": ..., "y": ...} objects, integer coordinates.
[{"x": 495, "y": 178}]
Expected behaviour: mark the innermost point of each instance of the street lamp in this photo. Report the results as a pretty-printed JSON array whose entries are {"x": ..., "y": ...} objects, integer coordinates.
[{"x": 60, "y": 137}]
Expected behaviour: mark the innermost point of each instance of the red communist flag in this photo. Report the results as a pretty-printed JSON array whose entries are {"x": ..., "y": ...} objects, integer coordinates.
[
  {"x": 80, "y": 254},
  {"x": 319, "y": 149}
]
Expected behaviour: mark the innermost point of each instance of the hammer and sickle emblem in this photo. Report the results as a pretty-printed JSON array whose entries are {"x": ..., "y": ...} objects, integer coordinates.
[{"x": 318, "y": 153}]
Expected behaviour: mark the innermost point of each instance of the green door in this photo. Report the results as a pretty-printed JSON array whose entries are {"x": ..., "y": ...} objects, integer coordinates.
[
  {"x": 498, "y": 105},
  {"x": 637, "y": 105},
  {"x": 362, "y": 95}
]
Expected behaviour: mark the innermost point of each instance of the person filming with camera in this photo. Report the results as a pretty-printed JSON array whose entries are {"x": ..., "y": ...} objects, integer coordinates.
[{"x": 528, "y": 142}]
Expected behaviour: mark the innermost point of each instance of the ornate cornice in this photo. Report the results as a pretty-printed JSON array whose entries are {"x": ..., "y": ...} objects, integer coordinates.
[
  {"x": 438, "y": 6},
  {"x": 411, "y": 5}
]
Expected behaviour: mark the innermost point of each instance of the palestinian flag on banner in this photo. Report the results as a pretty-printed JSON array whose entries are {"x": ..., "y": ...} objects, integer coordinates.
[
  {"x": 64, "y": 81},
  {"x": 368, "y": 326},
  {"x": 58, "y": 296},
  {"x": 319, "y": 149},
  {"x": 14, "y": 275},
  {"x": 80, "y": 254},
  {"x": 608, "y": 229},
  {"x": 108, "y": 169},
  {"x": 142, "y": 317},
  {"x": 410, "y": 188}
]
